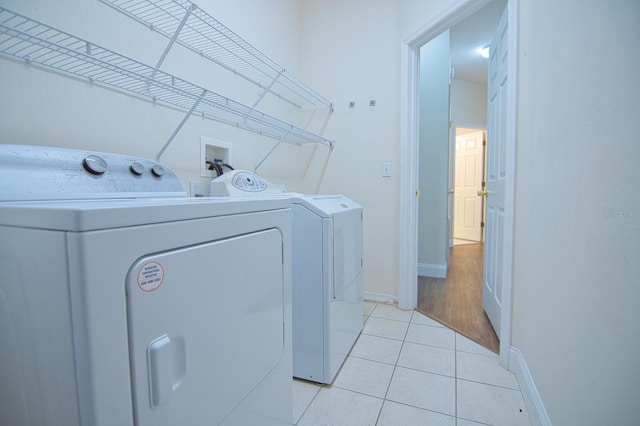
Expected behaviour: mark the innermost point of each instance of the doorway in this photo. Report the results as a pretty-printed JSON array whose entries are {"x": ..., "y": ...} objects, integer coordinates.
[
  {"x": 453, "y": 294},
  {"x": 456, "y": 300},
  {"x": 454, "y": 14}
]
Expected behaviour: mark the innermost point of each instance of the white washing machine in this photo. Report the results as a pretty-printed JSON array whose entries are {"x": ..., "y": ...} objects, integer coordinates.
[
  {"x": 123, "y": 302},
  {"x": 327, "y": 273}
]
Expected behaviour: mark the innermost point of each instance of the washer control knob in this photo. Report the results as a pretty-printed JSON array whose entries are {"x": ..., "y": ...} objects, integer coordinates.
[
  {"x": 136, "y": 168},
  {"x": 157, "y": 170},
  {"x": 95, "y": 164}
]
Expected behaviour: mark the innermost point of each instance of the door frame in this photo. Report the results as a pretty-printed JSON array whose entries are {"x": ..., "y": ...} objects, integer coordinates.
[{"x": 409, "y": 189}]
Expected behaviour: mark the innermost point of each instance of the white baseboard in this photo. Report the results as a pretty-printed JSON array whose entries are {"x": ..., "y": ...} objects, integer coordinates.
[
  {"x": 379, "y": 297},
  {"x": 518, "y": 366},
  {"x": 429, "y": 270}
]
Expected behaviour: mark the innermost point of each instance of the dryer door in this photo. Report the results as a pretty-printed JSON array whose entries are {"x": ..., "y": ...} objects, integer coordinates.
[{"x": 206, "y": 333}]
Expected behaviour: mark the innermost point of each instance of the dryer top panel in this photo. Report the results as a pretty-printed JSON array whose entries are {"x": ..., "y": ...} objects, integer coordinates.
[
  {"x": 88, "y": 215},
  {"x": 48, "y": 173}
]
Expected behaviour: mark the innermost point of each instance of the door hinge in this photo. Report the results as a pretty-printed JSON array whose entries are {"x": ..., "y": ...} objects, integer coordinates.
[
  {"x": 484, "y": 142},
  {"x": 481, "y": 224}
]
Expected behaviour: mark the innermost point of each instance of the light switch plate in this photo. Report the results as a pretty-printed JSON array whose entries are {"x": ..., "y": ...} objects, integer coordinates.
[{"x": 386, "y": 169}]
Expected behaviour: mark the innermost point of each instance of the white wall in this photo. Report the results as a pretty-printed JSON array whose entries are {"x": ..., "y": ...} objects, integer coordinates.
[
  {"x": 468, "y": 103},
  {"x": 351, "y": 54},
  {"x": 576, "y": 292}
]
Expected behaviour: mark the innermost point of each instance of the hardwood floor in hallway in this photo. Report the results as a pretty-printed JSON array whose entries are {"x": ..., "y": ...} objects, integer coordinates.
[{"x": 456, "y": 301}]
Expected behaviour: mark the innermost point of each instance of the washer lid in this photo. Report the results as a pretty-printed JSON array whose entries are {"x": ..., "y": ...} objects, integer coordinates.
[
  {"x": 48, "y": 173},
  {"x": 327, "y": 205}
]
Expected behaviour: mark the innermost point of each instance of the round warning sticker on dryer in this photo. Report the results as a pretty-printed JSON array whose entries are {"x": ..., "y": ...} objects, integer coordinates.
[{"x": 150, "y": 276}]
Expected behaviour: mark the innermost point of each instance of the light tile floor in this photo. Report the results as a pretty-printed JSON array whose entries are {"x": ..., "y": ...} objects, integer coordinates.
[{"x": 406, "y": 369}]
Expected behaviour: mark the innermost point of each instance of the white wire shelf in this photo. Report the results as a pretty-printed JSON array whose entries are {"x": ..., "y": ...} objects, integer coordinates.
[
  {"x": 37, "y": 43},
  {"x": 185, "y": 23}
]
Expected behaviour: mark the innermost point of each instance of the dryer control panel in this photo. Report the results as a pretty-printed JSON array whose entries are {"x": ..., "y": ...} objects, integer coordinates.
[{"x": 49, "y": 173}]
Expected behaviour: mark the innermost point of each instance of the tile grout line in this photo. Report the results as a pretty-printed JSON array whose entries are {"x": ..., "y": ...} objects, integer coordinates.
[
  {"x": 322, "y": 386},
  {"x": 455, "y": 373},
  {"x": 404, "y": 340},
  {"x": 384, "y": 398},
  {"x": 308, "y": 405},
  {"x": 395, "y": 366}
]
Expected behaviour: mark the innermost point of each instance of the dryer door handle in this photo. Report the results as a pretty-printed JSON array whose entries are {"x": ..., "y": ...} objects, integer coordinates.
[{"x": 167, "y": 368}]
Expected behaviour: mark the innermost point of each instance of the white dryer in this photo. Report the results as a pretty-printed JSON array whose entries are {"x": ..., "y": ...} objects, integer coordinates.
[
  {"x": 327, "y": 273},
  {"x": 123, "y": 302}
]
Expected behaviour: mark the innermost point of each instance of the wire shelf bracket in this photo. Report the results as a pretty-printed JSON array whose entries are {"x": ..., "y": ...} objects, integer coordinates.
[
  {"x": 184, "y": 22},
  {"x": 198, "y": 31}
]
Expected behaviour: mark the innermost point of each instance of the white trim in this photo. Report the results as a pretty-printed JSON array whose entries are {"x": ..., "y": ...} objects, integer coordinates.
[
  {"x": 379, "y": 297},
  {"x": 429, "y": 270},
  {"x": 455, "y": 13},
  {"x": 408, "y": 283},
  {"x": 408, "y": 250},
  {"x": 509, "y": 191},
  {"x": 518, "y": 366}
]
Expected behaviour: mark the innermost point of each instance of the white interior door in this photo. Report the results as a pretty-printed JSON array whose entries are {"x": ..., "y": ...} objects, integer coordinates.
[
  {"x": 496, "y": 175},
  {"x": 468, "y": 180}
]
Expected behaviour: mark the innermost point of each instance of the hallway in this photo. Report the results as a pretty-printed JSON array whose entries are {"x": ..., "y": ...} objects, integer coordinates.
[{"x": 456, "y": 301}]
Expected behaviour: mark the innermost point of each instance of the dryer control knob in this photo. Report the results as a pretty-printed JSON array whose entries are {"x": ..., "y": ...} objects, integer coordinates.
[
  {"x": 136, "y": 168},
  {"x": 157, "y": 170},
  {"x": 95, "y": 164}
]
